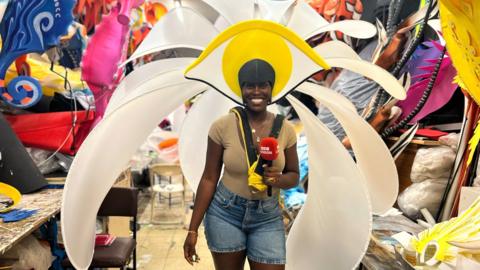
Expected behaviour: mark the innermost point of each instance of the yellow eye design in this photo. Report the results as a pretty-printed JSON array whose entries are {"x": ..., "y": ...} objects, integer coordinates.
[{"x": 292, "y": 59}]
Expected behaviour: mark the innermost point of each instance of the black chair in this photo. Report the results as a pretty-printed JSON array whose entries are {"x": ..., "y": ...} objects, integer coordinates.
[{"x": 121, "y": 202}]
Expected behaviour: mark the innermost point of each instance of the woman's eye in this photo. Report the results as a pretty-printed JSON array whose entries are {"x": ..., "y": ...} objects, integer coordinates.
[{"x": 263, "y": 86}]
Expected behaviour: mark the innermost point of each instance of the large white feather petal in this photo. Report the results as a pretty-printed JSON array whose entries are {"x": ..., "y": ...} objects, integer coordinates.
[
  {"x": 106, "y": 152},
  {"x": 194, "y": 134},
  {"x": 332, "y": 230},
  {"x": 373, "y": 157},
  {"x": 180, "y": 27},
  {"x": 233, "y": 11}
]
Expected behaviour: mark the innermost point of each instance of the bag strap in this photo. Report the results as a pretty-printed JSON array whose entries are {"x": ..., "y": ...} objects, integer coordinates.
[
  {"x": 249, "y": 147},
  {"x": 277, "y": 126}
]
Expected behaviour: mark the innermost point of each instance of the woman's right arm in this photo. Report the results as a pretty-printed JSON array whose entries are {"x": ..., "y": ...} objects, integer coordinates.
[
  {"x": 204, "y": 195},
  {"x": 208, "y": 183}
]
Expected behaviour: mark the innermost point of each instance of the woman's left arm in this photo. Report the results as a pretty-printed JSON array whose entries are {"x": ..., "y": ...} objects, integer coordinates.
[{"x": 289, "y": 177}]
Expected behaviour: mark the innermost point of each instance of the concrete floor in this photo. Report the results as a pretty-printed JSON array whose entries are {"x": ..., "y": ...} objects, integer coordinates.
[{"x": 160, "y": 247}]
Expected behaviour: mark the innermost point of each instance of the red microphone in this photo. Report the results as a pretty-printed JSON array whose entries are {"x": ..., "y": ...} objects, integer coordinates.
[{"x": 269, "y": 152}]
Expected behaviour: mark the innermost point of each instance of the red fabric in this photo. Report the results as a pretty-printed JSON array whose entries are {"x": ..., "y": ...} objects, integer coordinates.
[
  {"x": 22, "y": 66},
  {"x": 49, "y": 130},
  {"x": 432, "y": 134}
]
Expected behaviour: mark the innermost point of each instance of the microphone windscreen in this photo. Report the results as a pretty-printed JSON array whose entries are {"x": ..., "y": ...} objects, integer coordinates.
[{"x": 269, "y": 148}]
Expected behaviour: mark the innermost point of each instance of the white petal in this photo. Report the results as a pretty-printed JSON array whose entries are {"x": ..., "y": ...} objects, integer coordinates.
[
  {"x": 274, "y": 10},
  {"x": 373, "y": 157},
  {"x": 3, "y": 7},
  {"x": 233, "y": 11},
  {"x": 194, "y": 134},
  {"x": 336, "y": 215},
  {"x": 336, "y": 49},
  {"x": 221, "y": 24},
  {"x": 354, "y": 28},
  {"x": 180, "y": 27},
  {"x": 305, "y": 20},
  {"x": 372, "y": 71},
  {"x": 104, "y": 154},
  {"x": 129, "y": 86}
]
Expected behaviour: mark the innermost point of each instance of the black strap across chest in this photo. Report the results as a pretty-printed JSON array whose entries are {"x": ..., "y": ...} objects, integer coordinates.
[{"x": 247, "y": 132}]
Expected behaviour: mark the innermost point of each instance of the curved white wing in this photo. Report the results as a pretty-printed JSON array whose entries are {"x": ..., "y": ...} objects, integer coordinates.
[
  {"x": 336, "y": 215},
  {"x": 305, "y": 19},
  {"x": 369, "y": 70},
  {"x": 194, "y": 133},
  {"x": 336, "y": 49},
  {"x": 106, "y": 152},
  {"x": 273, "y": 10},
  {"x": 307, "y": 23},
  {"x": 140, "y": 75},
  {"x": 373, "y": 157},
  {"x": 180, "y": 27},
  {"x": 233, "y": 11},
  {"x": 3, "y": 7},
  {"x": 354, "y": 28}
]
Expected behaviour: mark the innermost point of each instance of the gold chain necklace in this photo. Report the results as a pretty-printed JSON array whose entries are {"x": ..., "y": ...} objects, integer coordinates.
[{"x": 254, "y": 132}]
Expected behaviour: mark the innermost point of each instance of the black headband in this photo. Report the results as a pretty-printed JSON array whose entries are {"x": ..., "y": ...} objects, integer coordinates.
[{"x": 256, "y": 71}]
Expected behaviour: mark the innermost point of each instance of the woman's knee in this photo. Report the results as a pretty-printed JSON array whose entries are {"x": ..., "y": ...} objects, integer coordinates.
[
  {"x": 262, "y": 266},
  {"x": 230, "y": 260}
]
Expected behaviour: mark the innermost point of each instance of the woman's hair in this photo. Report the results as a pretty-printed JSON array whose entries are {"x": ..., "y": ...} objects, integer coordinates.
[{"x": 256, "y": 71}]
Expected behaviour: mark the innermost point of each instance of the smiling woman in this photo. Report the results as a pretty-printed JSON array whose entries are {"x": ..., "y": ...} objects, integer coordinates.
[
  {"x": 134, "y": 110},
  {"x": 242, "y": 219}
]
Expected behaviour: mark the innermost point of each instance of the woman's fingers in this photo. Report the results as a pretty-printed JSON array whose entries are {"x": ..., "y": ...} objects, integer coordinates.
[
  {"x": 189, "y": 251},
  {"x": 187, "y": 256},
  {"x": 272, "y": 170}
]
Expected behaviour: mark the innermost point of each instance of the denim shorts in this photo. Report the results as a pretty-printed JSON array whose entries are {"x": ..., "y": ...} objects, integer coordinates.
[{"x": 233, "y": 223}]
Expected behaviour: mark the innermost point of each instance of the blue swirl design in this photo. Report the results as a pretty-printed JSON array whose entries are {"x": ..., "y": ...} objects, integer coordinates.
[
  {"x": 22, "y": 92},
  {"x": 32, "y": 26}
]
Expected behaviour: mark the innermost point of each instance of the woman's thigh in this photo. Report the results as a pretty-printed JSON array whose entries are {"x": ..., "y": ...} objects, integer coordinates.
[
  {"x": 264, "y": 266},
  {"x": 230, "y": 260}
]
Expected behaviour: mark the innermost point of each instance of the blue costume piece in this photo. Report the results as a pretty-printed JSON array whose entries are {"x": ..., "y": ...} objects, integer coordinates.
[
  {"x": 72, "y": 51},
  {"x": 295, "y": 197},
  {"x": 17, "y": 215},
  {"x": 49, "y": 232},
  {"x": 30, "y": 26}
]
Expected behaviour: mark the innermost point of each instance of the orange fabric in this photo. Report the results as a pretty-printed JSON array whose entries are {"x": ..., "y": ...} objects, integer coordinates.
[
  {"x": 92, "y": 11},
  {"x": 153, "y": 11},
  {"x": 22, "y": 66},
  {"x": 167, "y": 143}
]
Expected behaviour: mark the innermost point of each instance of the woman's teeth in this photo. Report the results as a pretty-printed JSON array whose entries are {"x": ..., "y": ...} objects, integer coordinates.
[{"x": 257, "y": 101}]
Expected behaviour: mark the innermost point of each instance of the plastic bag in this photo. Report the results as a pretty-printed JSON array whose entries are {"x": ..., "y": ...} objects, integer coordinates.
[
  {"x": 40, "y": 157},
  {"x": 450, "y": 140},
  {"x": 426, "y": 194},
  {"x": 31, "y": 254},
  {"x": 150, "y": 153},
  {"x": 432, "y": 163}
]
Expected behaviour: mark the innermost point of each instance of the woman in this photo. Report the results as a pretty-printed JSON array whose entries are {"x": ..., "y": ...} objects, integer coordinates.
[{"x": 239, "y": 223}]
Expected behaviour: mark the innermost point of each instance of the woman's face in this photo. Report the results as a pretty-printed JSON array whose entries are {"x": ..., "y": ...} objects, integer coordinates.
[{"x": 257, "y": 96}]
